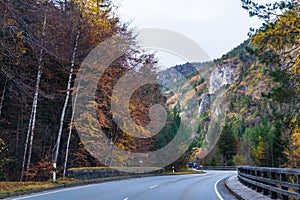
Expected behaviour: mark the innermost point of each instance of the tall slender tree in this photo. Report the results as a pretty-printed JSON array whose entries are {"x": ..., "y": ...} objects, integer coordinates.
[
  {"x": 67, "y": 100},
  {"x": 3, "y": 96},
  {"x": 32, "y": 121}
]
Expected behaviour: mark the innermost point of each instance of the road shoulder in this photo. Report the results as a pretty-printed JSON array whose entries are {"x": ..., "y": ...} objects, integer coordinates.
[{"x": 241, "y": 191}]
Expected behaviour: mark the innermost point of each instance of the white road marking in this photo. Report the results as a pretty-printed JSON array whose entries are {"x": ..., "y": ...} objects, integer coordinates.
[
  {"x": 126, "y": 198},
  {"x": 154, "y": 186},
  {"x": 216, "y": 190},
  {"x": 55, "y": 191}
]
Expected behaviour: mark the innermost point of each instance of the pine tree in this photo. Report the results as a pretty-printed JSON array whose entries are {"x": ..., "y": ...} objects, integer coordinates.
[{"x": 227, "y": 145}]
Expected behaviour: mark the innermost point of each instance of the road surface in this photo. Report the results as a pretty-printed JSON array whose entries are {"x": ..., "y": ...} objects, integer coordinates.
[{"x": 181, "y": 187}]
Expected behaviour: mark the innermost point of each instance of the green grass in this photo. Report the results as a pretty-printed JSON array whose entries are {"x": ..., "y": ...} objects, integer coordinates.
[{"x": 13, "y": 187}]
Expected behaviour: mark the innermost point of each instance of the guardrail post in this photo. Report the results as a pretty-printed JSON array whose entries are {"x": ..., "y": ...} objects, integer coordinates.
[
  {"x": 273, "y": 177},
  {"x": 247, "y": 172},
  {"x": 283, "y": 178},
  {"x": 249, "y": 184},
  {"x": 253, "y": 186},
  {"x": 258, "y": 189},
  {"x": 241, "y": 170},
  {"x": 266, "y": 191}
]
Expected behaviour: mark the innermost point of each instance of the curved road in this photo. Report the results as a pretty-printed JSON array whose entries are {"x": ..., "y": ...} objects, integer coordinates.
[{"x": 181, "y": 187}]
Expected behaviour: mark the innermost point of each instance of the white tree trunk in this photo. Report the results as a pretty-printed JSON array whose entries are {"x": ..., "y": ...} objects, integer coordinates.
[
  {"x": 36, "y": 94},
  {"x": 66, "y": 103},
  {"x": 35, "y": 102},
  {"x": 2, "y": 97},
  {"x": 69, "y": 136},
  {"x": 26, "y": 145}
]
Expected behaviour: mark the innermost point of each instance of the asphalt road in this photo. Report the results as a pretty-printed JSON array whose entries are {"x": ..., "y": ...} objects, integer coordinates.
[{"x": 181, "y": 187}]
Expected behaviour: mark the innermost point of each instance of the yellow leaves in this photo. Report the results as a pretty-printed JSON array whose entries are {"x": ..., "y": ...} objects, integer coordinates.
[
  {"x": 295, "y": 133},
  {"x": 2, "y": 146},
  {"x": 11, "y": 22},
  {"x": 239, "y": 160},
  {"x": 97, "y": 16},
  {"x": 293, "y": 120},
  {"x": 296, "y": 67},
  {"x": 19, "y": 34},
  {"x": 293, "y": 152},
  {"x": 282, "y": 37},
  {"x": 232, "y": 115},
  {"x": 243, "y": 110},
  {"x": 22, "y": 48},
  {"x": 259, "y": 150},
  {"x": 284, "y": 31}
]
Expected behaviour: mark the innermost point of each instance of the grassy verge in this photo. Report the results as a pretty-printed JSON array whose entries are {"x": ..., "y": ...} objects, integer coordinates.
[
  {"x": 182, "y": 172},
  {"x": 126, "y": 169},
  {"x": 13, "y": 187}
]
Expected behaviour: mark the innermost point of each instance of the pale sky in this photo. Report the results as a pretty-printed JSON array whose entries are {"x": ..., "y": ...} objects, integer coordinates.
[{"x": 216, "y": 25}]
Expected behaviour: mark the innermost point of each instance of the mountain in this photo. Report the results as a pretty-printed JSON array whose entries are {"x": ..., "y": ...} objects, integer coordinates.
[{"x": 234, "y": 95}]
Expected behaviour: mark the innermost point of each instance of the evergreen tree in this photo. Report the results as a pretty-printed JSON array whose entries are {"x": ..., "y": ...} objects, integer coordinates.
[{"x": 227, "y": 145}]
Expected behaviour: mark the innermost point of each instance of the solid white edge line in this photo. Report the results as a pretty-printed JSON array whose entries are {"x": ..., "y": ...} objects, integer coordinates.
[
  {"x": 216, "y": 190},
  {"x": 53, "y": 192}
]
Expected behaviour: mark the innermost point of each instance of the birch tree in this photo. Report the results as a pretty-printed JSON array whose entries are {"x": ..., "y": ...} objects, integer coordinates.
[
  {"x": 69, "y": 135},
  {"x": 66, "y": 101},
  {"x": 32, "y": 120},
  {"x": 87, "y": 10},
  {"x": 2, "y": 97}
]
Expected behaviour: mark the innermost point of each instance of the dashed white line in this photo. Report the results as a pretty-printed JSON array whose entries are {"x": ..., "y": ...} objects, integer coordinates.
[
  {"x": 154, "y": 186},
  {"x": 126, "y": 198},
  {"x": 216, "y": 190}
]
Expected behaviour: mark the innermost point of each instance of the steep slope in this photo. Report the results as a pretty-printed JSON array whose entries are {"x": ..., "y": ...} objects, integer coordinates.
[{"x": 235, "y": 92}]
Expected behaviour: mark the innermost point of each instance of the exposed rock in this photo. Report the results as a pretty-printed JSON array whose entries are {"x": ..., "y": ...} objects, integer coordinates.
[{"x": 220, "y": 77}]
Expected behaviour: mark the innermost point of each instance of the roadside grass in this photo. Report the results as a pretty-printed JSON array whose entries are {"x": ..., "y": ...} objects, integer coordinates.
[
  {"x": 13, "y": 187},
  {"x": 184, "y": 171},
  {"x": 126, "y": 169}
]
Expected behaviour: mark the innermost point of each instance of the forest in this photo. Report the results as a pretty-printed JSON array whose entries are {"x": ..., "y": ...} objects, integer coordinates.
[
  {"x": 262, "y": 123},
  {"x": 42, "y": 46}
]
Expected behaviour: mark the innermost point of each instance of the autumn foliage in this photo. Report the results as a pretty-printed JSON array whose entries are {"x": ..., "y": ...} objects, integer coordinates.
[{"x": 43, "y": 44}]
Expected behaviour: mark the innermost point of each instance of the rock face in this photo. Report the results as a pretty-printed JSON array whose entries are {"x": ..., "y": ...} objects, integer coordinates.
[
  {"x": 205, "y": 103},
  {"x": 209, "y": 86},
  {"x": 215, "y": 78},
  {"x": 220, "y": 77}
]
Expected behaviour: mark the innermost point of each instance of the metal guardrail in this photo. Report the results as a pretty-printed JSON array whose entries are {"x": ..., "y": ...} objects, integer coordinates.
[{"x": 282, "y": 183}]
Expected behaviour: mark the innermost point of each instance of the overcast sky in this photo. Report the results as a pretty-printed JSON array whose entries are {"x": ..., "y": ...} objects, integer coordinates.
[{"x": 216, "y": 25}]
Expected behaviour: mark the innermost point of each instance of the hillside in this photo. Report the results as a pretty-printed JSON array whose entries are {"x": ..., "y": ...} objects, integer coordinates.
[{"x": 252, "y": 127}]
